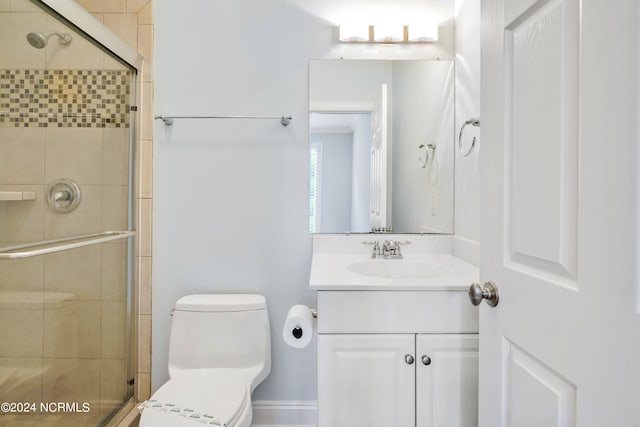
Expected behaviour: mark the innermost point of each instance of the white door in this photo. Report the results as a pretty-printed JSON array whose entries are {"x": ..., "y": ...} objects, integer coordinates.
[
  {"x": 365, "y": 381},
  {"x": 559, "y": 172},
  {"x": 379, "y": 199},
  {"x": 447, "y": 380}
]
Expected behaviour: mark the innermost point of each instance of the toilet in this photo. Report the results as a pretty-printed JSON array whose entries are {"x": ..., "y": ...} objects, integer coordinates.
[{"x": 219, "y": 351}]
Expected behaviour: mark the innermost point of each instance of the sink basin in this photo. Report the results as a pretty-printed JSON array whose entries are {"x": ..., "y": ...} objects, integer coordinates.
[
  {"x": 397, "y": 268},
  {"x": 415, "y": 272}
]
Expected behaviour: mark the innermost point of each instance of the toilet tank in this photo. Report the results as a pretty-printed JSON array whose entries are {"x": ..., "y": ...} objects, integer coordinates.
[{"x": 212, "y": 331}]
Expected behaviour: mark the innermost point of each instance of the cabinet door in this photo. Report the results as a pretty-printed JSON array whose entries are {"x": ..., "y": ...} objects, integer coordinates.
[
  {"x": 447, "y": 380},
  {"x": 365, "y": 381}
]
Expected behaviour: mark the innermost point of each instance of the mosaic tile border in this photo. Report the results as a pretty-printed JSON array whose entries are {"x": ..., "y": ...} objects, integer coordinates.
[{"x": 65, "y": 98}]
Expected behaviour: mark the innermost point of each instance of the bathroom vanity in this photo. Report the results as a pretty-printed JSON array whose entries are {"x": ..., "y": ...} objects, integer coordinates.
[{"x": 397, "y": 338}]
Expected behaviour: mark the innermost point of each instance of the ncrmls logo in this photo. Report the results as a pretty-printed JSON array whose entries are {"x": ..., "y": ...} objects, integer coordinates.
[{"x": 55, "y": 407}]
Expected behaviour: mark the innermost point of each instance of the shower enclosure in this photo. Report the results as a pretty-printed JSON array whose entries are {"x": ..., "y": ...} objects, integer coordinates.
[{"x": 66, "y": 188}]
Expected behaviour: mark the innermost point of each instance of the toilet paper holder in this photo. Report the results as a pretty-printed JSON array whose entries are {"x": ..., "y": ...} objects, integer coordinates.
[
  {"x": 297, "y": 330},
  {"x": 299, "y": 325},
  {"x": 314, "y": 314}
]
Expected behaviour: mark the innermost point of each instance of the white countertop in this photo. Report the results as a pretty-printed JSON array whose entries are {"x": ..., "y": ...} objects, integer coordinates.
[{"x": 331, "y": 272}]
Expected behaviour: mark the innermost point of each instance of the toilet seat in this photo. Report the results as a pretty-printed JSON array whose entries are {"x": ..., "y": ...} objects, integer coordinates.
[{"x": 199, "y": 397}]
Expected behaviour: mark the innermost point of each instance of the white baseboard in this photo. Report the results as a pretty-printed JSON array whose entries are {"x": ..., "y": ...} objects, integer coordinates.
[{"x": 285, "y": 412}]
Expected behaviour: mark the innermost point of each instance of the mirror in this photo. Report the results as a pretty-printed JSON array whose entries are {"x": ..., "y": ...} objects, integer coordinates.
[{"x": 381, "y": 138}]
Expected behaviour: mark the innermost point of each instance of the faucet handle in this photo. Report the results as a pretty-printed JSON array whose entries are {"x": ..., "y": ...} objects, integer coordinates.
[{"x": 376, "y": 247}]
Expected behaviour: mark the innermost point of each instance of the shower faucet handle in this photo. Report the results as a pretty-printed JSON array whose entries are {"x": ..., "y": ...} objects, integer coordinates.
[{"x": 63, "y": 195}]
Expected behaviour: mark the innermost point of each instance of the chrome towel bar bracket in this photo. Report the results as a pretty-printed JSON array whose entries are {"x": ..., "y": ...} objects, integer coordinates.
[{"x": 473, "y": 122}]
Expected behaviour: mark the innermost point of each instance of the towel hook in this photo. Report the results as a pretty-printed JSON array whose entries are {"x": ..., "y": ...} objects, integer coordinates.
[
  {"x": 421, "y": 162},
  {"x": 473, "y": 122}
]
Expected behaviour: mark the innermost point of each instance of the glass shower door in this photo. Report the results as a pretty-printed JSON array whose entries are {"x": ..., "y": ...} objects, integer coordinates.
[{"x": 66, "y": 153}]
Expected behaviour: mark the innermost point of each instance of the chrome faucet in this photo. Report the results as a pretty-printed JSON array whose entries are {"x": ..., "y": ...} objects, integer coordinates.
[{"x": 390, "y": 249}]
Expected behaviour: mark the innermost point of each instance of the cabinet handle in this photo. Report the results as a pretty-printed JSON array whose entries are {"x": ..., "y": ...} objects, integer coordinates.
[
  {"x": 426, "y": 360},
  {"x": 408, "y": 359}
]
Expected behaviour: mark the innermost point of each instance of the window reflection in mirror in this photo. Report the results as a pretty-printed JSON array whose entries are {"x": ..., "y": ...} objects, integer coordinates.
[
  {"x": 341, "y": 142},
  {"x": 381, "y": 146}
]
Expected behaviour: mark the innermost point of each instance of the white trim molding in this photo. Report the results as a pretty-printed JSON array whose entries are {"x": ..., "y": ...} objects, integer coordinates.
[{"x": 285, "y": 413}]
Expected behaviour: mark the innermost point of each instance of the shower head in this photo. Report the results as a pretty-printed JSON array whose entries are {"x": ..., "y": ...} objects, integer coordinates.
[{"x": 39, "y": 40}]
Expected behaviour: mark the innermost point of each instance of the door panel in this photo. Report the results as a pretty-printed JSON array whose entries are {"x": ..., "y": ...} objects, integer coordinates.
[
  {"x": 559, "y": 171},
  {"x": 379, "y": 199},
  {"x": 364, "y": 381},
  {"x": 541, "y": 88},
  {"x": 447, "y": 387},
  {"x": 536, "y": 395}
]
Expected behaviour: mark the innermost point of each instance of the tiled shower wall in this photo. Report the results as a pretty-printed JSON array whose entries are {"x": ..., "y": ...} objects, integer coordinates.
[
  {"x": 71, "y": 344},
  {"x": 132, "y": 20},
  {"x": 65, "y": 98}
]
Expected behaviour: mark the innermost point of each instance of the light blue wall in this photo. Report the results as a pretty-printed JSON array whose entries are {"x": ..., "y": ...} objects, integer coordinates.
[
  {"x": 230, "y": 197},
  {"x": 335, "y": 201},
  {"x": 467, "y": 174}
]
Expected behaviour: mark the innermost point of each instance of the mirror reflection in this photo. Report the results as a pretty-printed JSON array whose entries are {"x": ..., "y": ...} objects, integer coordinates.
[{"x": 381, "y": 137}]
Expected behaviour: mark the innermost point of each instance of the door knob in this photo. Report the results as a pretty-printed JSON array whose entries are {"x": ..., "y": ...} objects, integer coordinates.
[
  {"x": 488, "y": 292},
  {"x": 408, "y": 359},
  {"x": 426, "y": 360}
]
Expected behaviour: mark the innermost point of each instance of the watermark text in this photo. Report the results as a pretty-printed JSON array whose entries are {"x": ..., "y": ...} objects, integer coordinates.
[{"x": 45, "y": 407}]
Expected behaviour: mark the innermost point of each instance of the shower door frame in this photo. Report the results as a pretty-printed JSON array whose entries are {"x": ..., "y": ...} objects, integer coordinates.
[{"x": 76, "y": 17}]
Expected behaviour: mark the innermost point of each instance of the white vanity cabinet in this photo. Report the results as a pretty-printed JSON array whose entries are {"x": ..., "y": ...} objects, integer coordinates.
[
  {"x": 447, "y": 380},
  {"x": 364, "y": 381},
  {"x": 401, "y": 359}
]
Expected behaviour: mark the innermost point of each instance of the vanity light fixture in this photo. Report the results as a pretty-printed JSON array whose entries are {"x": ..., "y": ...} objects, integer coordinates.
[
  {"x": 355, "y": 33},
  {"x": 422, "y": 32},
  {"x": 389, "y": 34}
]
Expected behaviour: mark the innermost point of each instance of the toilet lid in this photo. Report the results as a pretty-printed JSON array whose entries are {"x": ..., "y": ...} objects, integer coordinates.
[{"x": 198, "y": 396}]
